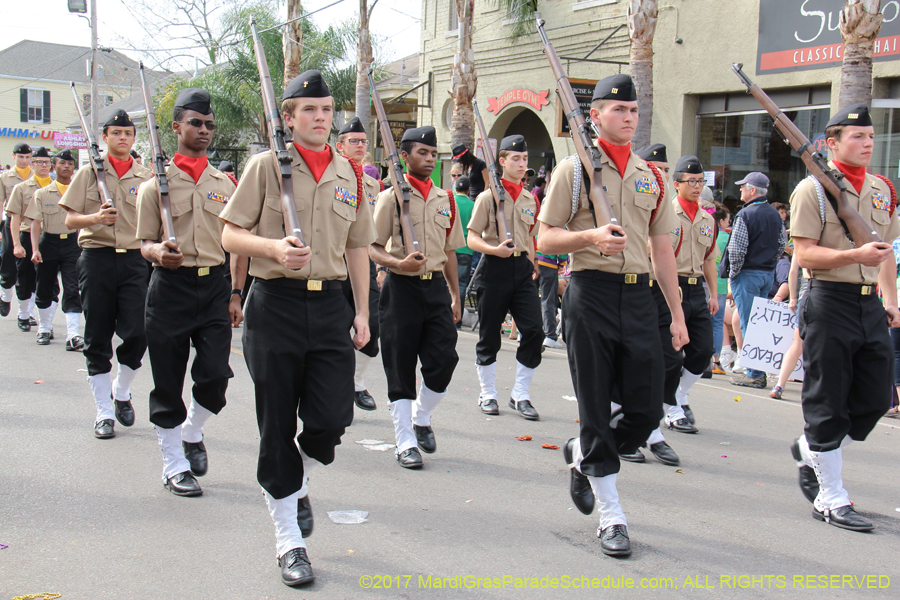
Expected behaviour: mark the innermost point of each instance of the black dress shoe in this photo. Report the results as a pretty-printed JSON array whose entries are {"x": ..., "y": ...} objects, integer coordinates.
[
  {"x": 104, "y": 429},
  {"x": 490, "y": 407},
  {"x": 524, "y": 408},
  {"x": 32, "y": 321},
  {"x": 425, "y": 438},
  {"x": 195, "y": 453},
  {"x": 410, "y": 458},
  {"x": 809, "y": 483},
  {"x": 124, "y": 412},
  {"x": 4, "y": 308},
  {"x": 637, "y": 456},
  {"x": 579, "y": 487},
  {"x": 76, "y": 344},
  {"x": 43, "y": 339},
  {"x": 183, "y": 484},
  {"x": 364, "y": 400},
  {"x": 707, "y": 374},
  {"x": 689, "y": 414},
  {"x": 844, "y": 517},
  {"x": 614, "y": 541},
  {"x": 24, "y": 325},
  {"x": 681, "y": 425},
  {"x": 664, "y": 454},
  {"x": 295, "y": 567},
  {"x": 304, "y": 516}
]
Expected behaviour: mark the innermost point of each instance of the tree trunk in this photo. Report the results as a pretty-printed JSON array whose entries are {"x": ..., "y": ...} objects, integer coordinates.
[
  {"x": 860, "y": 24},
  {"x": 363, "y": 61},
  {"x": 293, "y": 37},
  {"x": 641, "y": 28},
  {"x": 463, "y": 81}
]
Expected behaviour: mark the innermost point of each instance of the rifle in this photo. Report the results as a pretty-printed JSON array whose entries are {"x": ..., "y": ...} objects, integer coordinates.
[
  {"x": 280, "y": 154},
  {"x": 93, "y": 154},
  {"x": 587, "y": 152},
  {"x": 832, "y": 180},
  {"x": 496, "y": 184},
  {"x": 159, "y": 163},
  {"x": 398, "y": 181}
]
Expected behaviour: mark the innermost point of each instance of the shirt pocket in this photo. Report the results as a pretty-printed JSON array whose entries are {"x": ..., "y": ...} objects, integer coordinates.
[
  {"x": 882, "y": 217},
  {"x": 643, "y": 206},
  {"x": 53, "y": 216},
  {"x": 213, "y": 206},
  {"x": 181, "y": 217}
]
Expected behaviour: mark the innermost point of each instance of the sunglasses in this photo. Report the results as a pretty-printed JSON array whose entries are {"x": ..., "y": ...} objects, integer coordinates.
[{"x": 198, "y": 123}]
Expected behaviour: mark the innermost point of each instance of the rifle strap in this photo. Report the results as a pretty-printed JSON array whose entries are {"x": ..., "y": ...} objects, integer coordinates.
[{"x": 893, "y": 191}]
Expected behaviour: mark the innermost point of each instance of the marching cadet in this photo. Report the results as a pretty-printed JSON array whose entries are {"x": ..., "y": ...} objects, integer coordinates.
[
  {"x": 19, "y": 200},
  {"x": 296, "y": 338},
  {"x": 112, "y": 274},
  {"x": 352, "y": 143},
  {"x": 694, "y": 240},
  {"x": 56, "y": 255},
  {"x": 188, "y": 300},
  {"x": 846, "y": 347},
  {"x": 418, "y": 312},
  {"x": 8, "y": 180},
  {"x": 508, "y": 282},
  {"x": 610, "y": 342}
]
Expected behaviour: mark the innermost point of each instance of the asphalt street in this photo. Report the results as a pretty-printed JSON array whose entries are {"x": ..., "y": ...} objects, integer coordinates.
[{"x": 488, "y": 517}]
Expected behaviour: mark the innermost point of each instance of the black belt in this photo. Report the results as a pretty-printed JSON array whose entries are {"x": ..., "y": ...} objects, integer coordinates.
[
  {"x": 689, "y": 280},
  {"x": 110, "y": 250},
  {"x": 423, "y": 276},
  {"x": 192, "y": 271},
  {"x": 60, "y": 236},
  {"x": 627, "y": 278},
  {"x": 310, "y": 285},
  {"x": 858, "y": 289}
]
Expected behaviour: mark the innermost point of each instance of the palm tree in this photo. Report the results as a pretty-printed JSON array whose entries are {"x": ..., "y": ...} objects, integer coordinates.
[
  {"x": 860, "y": 24},
  {"x": 463, "y": 80},
  {"x": 641, "y": 28},
  {"x": 363, "y": 62},
  {"x": 292, "y": 42}
]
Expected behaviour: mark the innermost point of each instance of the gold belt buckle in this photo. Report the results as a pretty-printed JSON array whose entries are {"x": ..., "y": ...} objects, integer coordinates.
[
  {"x": 517, "y": 253},
  {"x": 63, "y": 236},
  {"x": 692, "y": 281},
  {"x": 651, "y": 283},
  {"x": 202, "y": 271},
  {"x": 866, "y": 290},
  {"x": 313, "y": 285},
  {"x": 425, "y": 276},
  {"x": 630, "y": 278},
  {"x": 120, "y": 250}
]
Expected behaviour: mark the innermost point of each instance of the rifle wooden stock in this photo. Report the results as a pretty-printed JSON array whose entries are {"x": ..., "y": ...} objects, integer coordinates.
[
  {"x": 399, "y": 183},
  {"x": 494, "y": 180},
  {"x": 93, "y": 153},
  {"x": 580, "y": 130},
  {"x": 831, "y": 179},
  {"x": 159, "y": 162},
  {"x": 280, "y": 154}
]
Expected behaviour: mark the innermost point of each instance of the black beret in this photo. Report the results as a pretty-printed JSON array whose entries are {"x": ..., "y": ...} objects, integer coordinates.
[
  {"x": 354, "y": 125},
  {"x": 134, "y": 154},
  {"x": 66, "y": 155},
  {"x": 194, "y": 99},
  {"x": 119, "y": 118},
  {"x": 41, "y": 152},
  {"x": 226, "y": 167},
  {"x": 423, "y": 135},
  {"x": 654, "y": 152},
  {"x": 689, "y": 164},
  {"x": 855, "y": 114},
  {"x": 22, "y": 148},
  {"x": 514, "y": 143},
  {"x": 615, "y": 87},
  {"x": 308, "y": 84}
]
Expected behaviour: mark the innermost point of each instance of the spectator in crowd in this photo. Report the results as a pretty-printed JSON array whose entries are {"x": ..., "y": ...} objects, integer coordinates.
[
  {"x": 723, "y": 222},
  {"x": 464, "y": 206},
  {"x": 784, "y": 211},
  {"x": 456, "y": 171},
  {"x": 473, "y": 167},
  {"x": 538, "y": 190},
  {"x": 549, "y": 267},
  {"x": 797, "y": 286},
  {"x": 370, "y": 169},
  {"x": 779, "y": 291}
]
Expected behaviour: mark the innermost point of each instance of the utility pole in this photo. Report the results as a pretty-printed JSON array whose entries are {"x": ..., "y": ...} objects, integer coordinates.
[{"x": 95, "y": 97}]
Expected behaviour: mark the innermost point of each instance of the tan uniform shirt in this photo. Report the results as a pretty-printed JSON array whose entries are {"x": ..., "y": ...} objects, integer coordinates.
[
  {"x": 873, "y": 203},
  {"x": 8, "y": 181},
  {"x": 83, "y": 197},
  {"x": 633, "y": 199},
  {"x": 696, "y": 239},
  {"x": 195, "y": 214},
  {"x": 373, "y": 188},
  {"x": 431, "y": 222},
  {"x": 45, "y": 206},
  {"x": 327, "y": 211},
  {"x": 519, "y": 217},
  {"x": 20, "y": 199}
]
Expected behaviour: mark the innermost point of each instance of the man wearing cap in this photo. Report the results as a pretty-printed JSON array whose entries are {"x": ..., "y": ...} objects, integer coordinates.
[
  {"x": 8, "y": 180},
  {"x": 352, "y": 143},
  {"x": 56, "y": 254},
  {"x": 757, "y": 242},
  {"x": 417, "y": 309},
  {"x": 19, "y": 200},
  {"x": 473, "y": 167},
  {"x": 507, "y": 283},
  {"x": 188, "y": 300},
  {"x": 227, "y": 169},
  {"x": 112, "y": 274},
  {"x": 611, "y": 343},
  {"x": 846, "y": 347},
  {"x": 296, "y": 338}
]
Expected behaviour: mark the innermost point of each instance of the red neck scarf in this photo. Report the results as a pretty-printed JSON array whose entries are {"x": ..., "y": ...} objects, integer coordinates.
[
  {"x": 193, "y": 166},
  {"x": 690, "y": 208},
  {"x": 423, "y": 187},
  {"x": 316, "y": 161},
  {"x": 855, "y": 175},
  {"x": 618, "y": 154},
  {"x": 121, "y": 166},
  {"x": 512, "y": 189}
]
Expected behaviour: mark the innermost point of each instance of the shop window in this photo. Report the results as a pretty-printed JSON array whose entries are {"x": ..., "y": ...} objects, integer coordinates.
[
  {"x": 34, "y": 106},
  {"x": 886, "y": 154}
]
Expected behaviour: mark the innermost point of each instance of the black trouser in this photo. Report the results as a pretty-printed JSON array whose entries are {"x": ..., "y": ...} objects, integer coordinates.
[
  {"x": 672, "y": 359},
  {"x": 113, "y": 291},
  {"x": 59, "y": 257},
  {"x": 508, "y": 286},
  {"x": 699, "y": 351},
  {"x": 7, "y": 259},
  {"x": 183, "y": 307},
  {"x": 549, "y": 281},
  {"x": 26, "y": 275},
  {"x": 848, "y": 362},
  {"x": 416, "y": 325},
  {"x": 464, "y": 273},
  {"x": 370, "y": 349},
  {"x": 612, "y": 341},
  {"x": 299, "y": 353}
]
